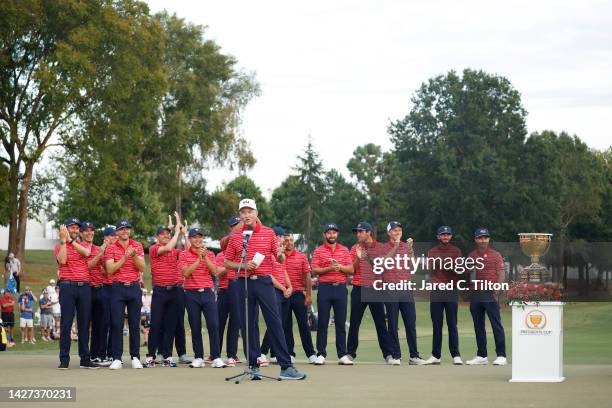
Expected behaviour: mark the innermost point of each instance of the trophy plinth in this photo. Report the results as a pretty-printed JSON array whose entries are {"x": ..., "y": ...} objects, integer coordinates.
[{"x": 535, "y": 245}]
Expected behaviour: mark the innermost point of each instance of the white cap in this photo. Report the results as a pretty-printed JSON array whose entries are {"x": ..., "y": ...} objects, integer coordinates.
[
  {"x": 247, "y": 202},
  {"x": 52, "y": 281},
  {"x": 144, "y": 290}
]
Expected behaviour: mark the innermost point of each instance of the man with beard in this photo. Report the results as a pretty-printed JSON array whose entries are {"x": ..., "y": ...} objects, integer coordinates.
[
  {"x": 362, "y": 254},
  {"x": 331, "y": 262},
  {"x": 228, "y": 303},
  {"x": 394, "y": 247},
  {"x": 100, "y": 307},
  {"x": 298, "y": 270},
  {"x": 124, "y": 262},
  {"x": 260, "y": 290},
  {"x": 197, "y": 265},
  {"x": 75, "y": 294},
  {"x": 442, "y": 302},
  {"x": 486, "y": 301},
  {"x": 163, "y": 256}
]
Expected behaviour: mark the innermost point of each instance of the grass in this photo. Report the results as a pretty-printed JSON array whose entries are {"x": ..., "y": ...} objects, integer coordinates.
[{"x": 587, "y": 326}]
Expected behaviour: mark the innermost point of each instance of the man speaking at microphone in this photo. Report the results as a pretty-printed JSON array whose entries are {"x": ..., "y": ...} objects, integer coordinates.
[{"x": 263, "y": 241}]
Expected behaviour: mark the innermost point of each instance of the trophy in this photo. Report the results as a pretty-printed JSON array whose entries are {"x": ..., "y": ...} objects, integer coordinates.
[{"x": 535, "y": 245}]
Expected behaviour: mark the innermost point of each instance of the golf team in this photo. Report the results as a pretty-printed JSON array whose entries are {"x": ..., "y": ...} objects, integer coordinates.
[{"x": 102, "y": 285}]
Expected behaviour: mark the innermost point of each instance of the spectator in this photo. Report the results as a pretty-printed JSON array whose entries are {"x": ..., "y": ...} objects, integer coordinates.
[
  {"x": 26, "y": 316},
  {"x": 14, "y": 268},
  {"x": 8, "y": 315},
  {"x": 57, "y": 312},
  {"x": 7, "y": 272},
  {"x": 146, "y": 301},
  {"x": 51, "y": 287},
  {"x": 46, "y": 316},
  {"x": 145, "y": 324}
]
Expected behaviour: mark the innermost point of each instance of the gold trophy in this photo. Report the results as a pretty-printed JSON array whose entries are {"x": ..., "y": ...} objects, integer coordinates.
[{"x": 535, "y": 245}]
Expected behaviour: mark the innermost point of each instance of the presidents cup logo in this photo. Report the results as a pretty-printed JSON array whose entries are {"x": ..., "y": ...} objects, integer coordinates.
[{"x": 535, "y": 320}]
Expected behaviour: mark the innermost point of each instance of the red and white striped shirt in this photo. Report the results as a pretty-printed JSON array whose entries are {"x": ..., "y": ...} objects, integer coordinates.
[
  {"x": 230, "y": 274},
  {"x": 297, "y": 267},
  {"x": 442, "y": 252},
  {"x": 96, "y": 273},
  {"x": 364, "y": 272},
  {"x": 75, "y": 268},
  {"x": 278, "y": 271},
  {"x": 164, "y": 267},
  {"x": 201, "y": 277},
  {"x": 322, "y": 256},
  {"x": 128, "y": 271},
  {"x": 493, "y": 263},
  {"x": 397, "y": 274},
  {"x": 263, "y": 240}
]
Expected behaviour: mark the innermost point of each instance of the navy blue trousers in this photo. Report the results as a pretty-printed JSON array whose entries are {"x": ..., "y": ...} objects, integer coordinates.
[
  {"x": 261, "y": 291},
  {"x": 73, "y": 299},
  {"x": 444, "y": 303},
  {"x": 228, "y": 306},
  {"x": 408, "y": 313},
  {"x": 122, "y": 297},
  {"x": 196, "y": 304},
  {"x": 100, "y": 321},
  {"x": 297, "y": 306},
  {"x": 164, "y": 310},
  {"x": 328, "y": 297},
  {"x": 283, "y": 309},
  {"x": 485, "y": 303},
  {"x": 377, "y": 309},
  {"x": 108, "y": 295}
]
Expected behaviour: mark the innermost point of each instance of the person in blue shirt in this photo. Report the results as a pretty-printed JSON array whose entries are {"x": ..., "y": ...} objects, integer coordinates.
[{"x": 26, "y": 315}]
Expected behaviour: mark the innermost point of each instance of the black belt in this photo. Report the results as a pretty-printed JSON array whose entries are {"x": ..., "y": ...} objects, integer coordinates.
[
  {"x": 74, "y": 283},
  {"x": 157, "y": 287},
  {"x": 255, "y": 277},
  {"x": 198, "y": 290},
  {"x": 332, "y": 283},
  {"x": 126, "y": 284}
]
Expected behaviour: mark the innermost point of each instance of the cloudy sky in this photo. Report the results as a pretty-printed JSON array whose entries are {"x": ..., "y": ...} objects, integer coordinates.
[{"x": 340, "y": 70}]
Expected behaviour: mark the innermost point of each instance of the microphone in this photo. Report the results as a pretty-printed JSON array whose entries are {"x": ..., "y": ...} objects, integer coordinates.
[{"x": 246, "y": 234}]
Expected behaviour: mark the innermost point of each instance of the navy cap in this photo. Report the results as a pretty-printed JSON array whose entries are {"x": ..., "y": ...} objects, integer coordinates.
[
  {"x": 278, "y": 231},
  {"x": 195, "y": 231},
  {"x": 233, "y": 220},
  {"x": 330, "y": 226},
  {"x": 481, "y": 232},
  {"x": 444, "y": 229},
  {"x": 109, "y": 232},
  {"x": 393, "y": 224},
  {"x": 72, "y": 221},
  {"x": 87, "y": 224},
  {"x": 123, "y": 224},
  {"x": 363, "y": 226},
  {"x": 162, "y": 228}
]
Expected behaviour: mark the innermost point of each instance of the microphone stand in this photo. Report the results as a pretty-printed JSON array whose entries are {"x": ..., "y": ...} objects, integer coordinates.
[{"x": 248, "y": 371}]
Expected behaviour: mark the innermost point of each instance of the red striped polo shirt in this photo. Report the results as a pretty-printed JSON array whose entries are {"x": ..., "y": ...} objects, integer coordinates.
[
  {"x": 395, "y": 274},
  {"x": 278, "y": 271},
  {"x": 263, "y": 240},
  {"x": 230, "y": 274},
  {"x": 128, "y": 271},
  {"x": 164, "y": 267},
  {"x": 321, "y": 258},
  {"x": 493, "y": 262},
  {"x": 364, "y": 272},
  {"x": 441, "y": 275},
  {"x": 200, "y": 278},
  {"x": 96, "y": 274},
  {"x": 297, "y": 266},
  {"x": 75, "y": 268}
]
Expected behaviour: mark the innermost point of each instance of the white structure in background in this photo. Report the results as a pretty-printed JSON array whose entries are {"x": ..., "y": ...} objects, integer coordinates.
[{"x": 39, "y": 234}]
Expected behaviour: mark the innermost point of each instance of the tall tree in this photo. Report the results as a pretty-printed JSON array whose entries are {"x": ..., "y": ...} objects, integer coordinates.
[
  {"x": 200, "y": 112},
  {"x": 59, "y": 63},
  {"x": 456, "y": 151}
]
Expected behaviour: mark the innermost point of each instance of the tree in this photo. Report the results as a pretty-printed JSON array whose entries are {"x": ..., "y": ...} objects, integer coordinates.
[
  {"x": 456, "y": 152},
  {"x": 199, "y": 114},
  {"x": 61, "y": 64}
]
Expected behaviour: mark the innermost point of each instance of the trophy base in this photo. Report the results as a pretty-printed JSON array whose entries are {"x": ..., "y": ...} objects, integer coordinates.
[{"x": 535, "y": 273}]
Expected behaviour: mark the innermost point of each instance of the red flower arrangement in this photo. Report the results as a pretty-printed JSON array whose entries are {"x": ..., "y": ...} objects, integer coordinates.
[{"x": 522, "y": 293}]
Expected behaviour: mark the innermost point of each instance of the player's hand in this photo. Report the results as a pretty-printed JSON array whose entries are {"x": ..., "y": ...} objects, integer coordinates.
[
  {"x": 203, "y": 252},
  {"x": 251, "y": 266},
  {"x": 409, "y": 241},
  {"x": 359, "y": 252},
  {"x": 288, "y": 292},
  {"x": 63, "y": 233},
  {"x": 130, "y": 251},
  {"x": 307, "y": 300}
]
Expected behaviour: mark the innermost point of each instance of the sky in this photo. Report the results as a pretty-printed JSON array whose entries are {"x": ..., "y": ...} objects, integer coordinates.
[{"x": 341, "y": 71}]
